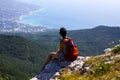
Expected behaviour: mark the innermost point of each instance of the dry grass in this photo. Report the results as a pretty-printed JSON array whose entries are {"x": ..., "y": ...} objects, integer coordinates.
[{"x": 99, "y": 69}]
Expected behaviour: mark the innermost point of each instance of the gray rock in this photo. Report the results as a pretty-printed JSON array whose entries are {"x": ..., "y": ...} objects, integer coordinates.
[{"x": 54, "y": 68}]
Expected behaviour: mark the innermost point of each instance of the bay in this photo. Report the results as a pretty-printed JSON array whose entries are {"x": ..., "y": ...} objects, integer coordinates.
[{"x": 49, "y": 19}]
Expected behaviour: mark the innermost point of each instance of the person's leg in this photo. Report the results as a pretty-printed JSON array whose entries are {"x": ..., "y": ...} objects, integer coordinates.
[{"x": 51, "y": 55}]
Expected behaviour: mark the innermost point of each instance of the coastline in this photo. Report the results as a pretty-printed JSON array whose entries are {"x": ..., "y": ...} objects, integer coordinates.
[{"x": 29, "y": 14}]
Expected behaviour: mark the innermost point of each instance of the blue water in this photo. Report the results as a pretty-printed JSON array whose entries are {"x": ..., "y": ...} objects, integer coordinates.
[{"x": 50, "y": 20}]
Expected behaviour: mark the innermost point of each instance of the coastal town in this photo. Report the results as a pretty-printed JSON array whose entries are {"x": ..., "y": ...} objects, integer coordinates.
[{"x": 10, "y": 14}]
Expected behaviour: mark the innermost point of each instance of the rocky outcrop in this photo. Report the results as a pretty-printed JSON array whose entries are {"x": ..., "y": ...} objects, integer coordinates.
[
  {"x": 54, "y": 68},
  {"x": 90, "y": 66}
]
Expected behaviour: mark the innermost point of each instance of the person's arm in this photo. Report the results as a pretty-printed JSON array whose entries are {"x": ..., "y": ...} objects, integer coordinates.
[{"x": 60, "y": 47}]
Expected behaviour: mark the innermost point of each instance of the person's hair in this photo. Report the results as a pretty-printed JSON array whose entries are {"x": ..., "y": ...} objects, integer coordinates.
[{"x": 63, "y": 32}]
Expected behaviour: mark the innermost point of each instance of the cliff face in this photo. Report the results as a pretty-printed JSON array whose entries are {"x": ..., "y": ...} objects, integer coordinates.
[{"x": 106, "y": 67}]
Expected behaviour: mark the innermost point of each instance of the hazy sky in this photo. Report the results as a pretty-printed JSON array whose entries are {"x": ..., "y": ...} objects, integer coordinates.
[{"x": 88, "y": 13}]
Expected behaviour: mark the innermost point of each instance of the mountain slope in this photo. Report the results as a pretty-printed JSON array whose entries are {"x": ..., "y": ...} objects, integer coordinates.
[
  {"x": 94, "y": 41},
  {"x": 90, "y": 41},
  {"x": 19, "y": 58}
]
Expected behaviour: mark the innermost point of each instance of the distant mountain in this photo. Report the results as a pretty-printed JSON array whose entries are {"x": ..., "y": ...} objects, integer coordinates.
[
  {"x": 90, "y": 41},
  {"x": 10, "y": 14},
  {"x": 94, "y": 41},
  {"x": 19, "y": 58}
]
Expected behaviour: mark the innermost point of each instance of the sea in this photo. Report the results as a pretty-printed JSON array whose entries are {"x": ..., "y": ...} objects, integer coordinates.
[{"x": 48, "y": 19}]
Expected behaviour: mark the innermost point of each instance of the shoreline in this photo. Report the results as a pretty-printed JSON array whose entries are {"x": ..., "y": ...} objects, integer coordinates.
[{"x": 20, "y": 19}]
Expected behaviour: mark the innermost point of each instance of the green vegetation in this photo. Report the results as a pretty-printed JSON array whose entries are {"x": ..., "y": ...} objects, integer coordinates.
[
  {"x": 89, "y": 41},
  {"x": 116, "y": 49},
  {"x": 104, "y": 67},
  {"x": 20, "y": 59},
  {"x": 94, "y": 41},
  {"x": 101, "y": 69}
]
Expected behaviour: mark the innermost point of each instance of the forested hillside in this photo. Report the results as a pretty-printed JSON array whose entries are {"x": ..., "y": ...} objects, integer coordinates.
[
  {"x": 19, "y": 58},
  {"x": 94, "y": 41},
  {"x": 90, "y": 41}
]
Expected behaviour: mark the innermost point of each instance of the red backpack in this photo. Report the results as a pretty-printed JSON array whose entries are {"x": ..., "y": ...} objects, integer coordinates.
[{"x": 71, "y": 49}]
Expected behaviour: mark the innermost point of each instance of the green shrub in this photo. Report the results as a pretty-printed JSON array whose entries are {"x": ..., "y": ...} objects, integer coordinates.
[
  {"x": 116, "y": 49},
  {"x": 101, "y": 68}
]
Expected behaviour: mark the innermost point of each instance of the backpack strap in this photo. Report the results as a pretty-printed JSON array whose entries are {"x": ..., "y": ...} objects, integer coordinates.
[
  {"x": 65, "y": 46},
  {"x": 66, "y": 41}
]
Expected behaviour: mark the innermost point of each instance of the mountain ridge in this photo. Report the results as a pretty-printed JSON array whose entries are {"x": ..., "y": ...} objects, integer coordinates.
[
  {"x": 90, "y": 41},
  {"x": 99, "y": 37}
]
